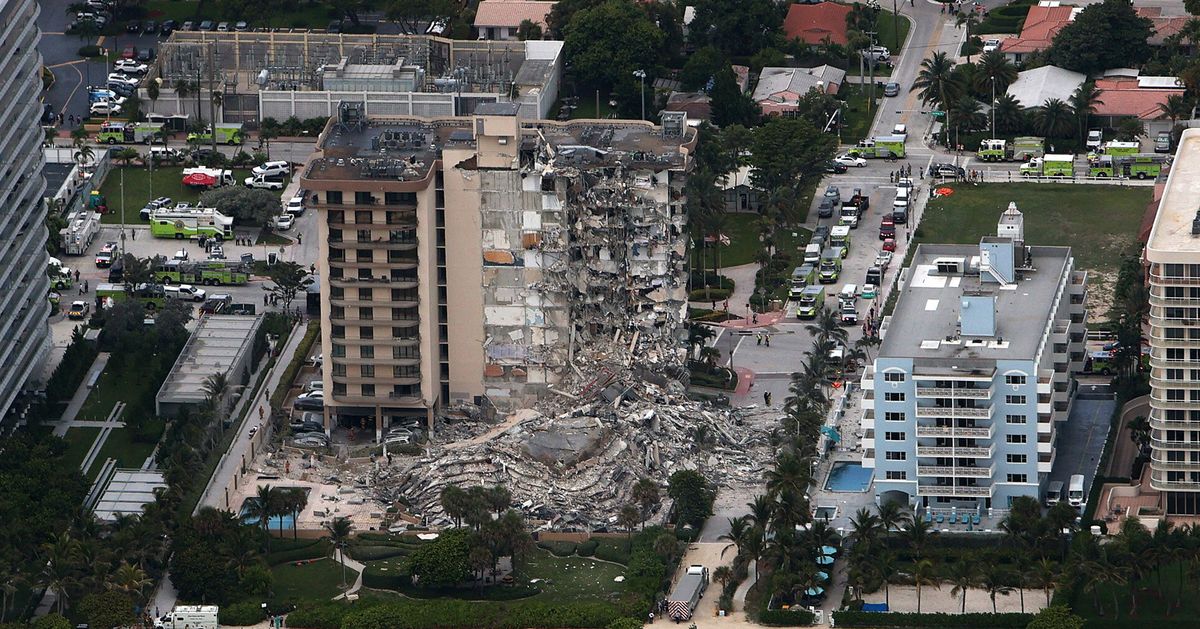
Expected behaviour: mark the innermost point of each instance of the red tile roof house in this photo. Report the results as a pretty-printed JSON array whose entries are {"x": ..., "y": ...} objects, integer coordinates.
[
  {"x": 499, "y": 19},
  {"x": 1126, "y": 97},
  {"x": 1162, "y": 26},
  {"x": 812, "y": 23},
  {"x": 1041, "y": 25}
]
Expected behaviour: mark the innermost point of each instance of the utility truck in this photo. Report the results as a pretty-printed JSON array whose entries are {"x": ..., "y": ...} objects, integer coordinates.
[{"x": 687, "y": 593}]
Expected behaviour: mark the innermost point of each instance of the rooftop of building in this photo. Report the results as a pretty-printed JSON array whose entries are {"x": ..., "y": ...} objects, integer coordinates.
[
  {"x": 925, "y": 323},
  {"x": 1172, "y": 231},
  {"x": 1042, "y": 23},
  {"x": 1135, "y": 96},
  {"x": 774, "y": 81},
  {"x": 812, "y": 23},
  {"x": 1034, "y": 87},
  {"x": 510, "y": 13},
  {"x": 404, "y": 149},
  {"x": 217, "y": 344}
]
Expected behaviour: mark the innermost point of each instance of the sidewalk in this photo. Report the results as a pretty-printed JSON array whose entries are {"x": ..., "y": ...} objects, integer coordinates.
[{"x": 81, "y": 395}]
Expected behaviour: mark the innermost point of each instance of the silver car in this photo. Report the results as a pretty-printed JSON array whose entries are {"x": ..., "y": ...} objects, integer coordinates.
[{"x": 891, "y": 88}]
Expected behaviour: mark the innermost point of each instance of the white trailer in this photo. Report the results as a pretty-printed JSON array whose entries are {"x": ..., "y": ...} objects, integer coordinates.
[
  {"x": 189, "y": 617},
  {"x": 687, "y": 593},
  {"x": 82, "y": 227}
]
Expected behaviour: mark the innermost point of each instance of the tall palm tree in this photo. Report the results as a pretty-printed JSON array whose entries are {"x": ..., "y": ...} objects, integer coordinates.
[
  {"x": 62, "y": 559},
  {"x": 1053, "y": 119},
  {"x": 916, "y": 532},
  {"x": 994, "y": 67},
  {"x": 885, "y": 569},
  {"x": 1043, "y": 575},
  {"x": 263, "y": 508},
  {"x": 865, "y": 527},
  {"x": 738, "y": 528},
  {"x": 339, "y": 533},
  {"x": 892, "y": 515},
  {"x": 293, "y": 501},
  {"x": 1083, "y": 102},
  {"x": 1010, "y": 116},
  {"x": 129, "y": 579},
  {"x": 967, "y": 115},
  {"x": 963, "y": 576},
  {"x": 1175, "y": 108},
  {"x": 935, "y": 82},
  {"x": 790, "y": 473},
  {"x": 923, "y": 575},
  {"x": 760, "y": 511},
  {"x": 828, "y": 327},
  {"x": 993, "y": 579}
]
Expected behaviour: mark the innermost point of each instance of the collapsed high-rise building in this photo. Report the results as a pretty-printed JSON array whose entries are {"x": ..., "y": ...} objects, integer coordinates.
[{"x": 473, "y": 260}]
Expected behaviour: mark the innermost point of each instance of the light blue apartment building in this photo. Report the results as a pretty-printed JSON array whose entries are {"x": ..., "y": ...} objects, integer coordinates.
[{"x": 973, "y": 374}]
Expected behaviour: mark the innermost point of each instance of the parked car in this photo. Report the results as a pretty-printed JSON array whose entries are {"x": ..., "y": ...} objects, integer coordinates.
[
  {"x": 146, "y": 55},
  {"x": 889, "y": 244},
  {"x": 78, "y": 310},
  {"x": 168, "y": 27},
  {"x": 188, "y": 26},
  {"x": 223, "y": 27},
  {"x": 295, "y": 206},
  {"x": 991, "y": 44},
  {"x": 241, "y": 26},
  {"x": 150, "y": 27},
  {"x": 850, "y": 160},
  {"x": 133, "y": 27},
  {"x": 186, "y": 292},
  {"x": 1162, "y": 142},
  {"x": 825, "y": 209},
  {"x": 131, "y": 66},
  {"x": 891, "y": 88},
  {"x": 129, "y": 52},
  {"x": 105, "y": 108},
  {"x": 833, "y": 167},
  {"x": 207, "y": 25},
  {"x": 122, "y": 79},
  {"x": 947, "y": 170},
  {"x": 284, "y": 222},
  {"x": 309, "y": 403}
]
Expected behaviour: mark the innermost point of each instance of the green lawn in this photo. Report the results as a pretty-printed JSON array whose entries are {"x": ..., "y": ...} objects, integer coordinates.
[
  {"x": 570, "y": 578},
  {"x": 121, "y": 446},
  {"x": 167, "y": 182},
  {"x": 110, "y": 388},
  {"x": 302, "y": 15},
  {"x": 1155, "y": 602},
  {"x": 79, "y": 441},
  {"x": 1099, "y": 222},
  {"x": 857, "y": 121},
  {"x": 313, "y": 581},
  {"x": 893, "y": 30}
]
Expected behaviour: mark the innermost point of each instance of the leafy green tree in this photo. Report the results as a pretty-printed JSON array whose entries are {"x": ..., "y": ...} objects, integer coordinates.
[
  {"x": 443, "y": 562},
  {"x": 1083, "y": 102},
  {"x": 107, "y": 609},
  {"x": 50, "y": 621},
  {"x": 288, "y": 279},
  {"x": 1130, "y": 129},
  {"x": 200, "y": 574},
  {"x": 701, "y": 67},
  {"x": 246, "y": 205},
  {"x": 608, "y": 42},
  {"x": 1106, "y": 35},
  {"x": 528, "y": 29},
  {"x": 693, "y": 496},
  {"x": 730, "y": 105},
  {"x": 789, "y": 153},
  {"x": 629, "y": 517},
  {"x": 1056, "y": 617},
  {"x": 739, "y": 28},
  {"x": 1053, "y": 119},
  {"x": 1010, "y": 116}
]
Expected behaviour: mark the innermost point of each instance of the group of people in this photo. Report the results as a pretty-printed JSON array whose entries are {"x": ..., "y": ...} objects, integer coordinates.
[{"x": 905, "y": 171}]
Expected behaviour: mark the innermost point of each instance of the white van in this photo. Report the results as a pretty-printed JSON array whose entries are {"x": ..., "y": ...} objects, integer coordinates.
[
  {"x": 812, "y": 253},
  {"x": 849, "y": 293},
  {"x": 1054, "y": 493},
  {"x": 272, "y": 168},
  {"x": 1075, "y": 495}
]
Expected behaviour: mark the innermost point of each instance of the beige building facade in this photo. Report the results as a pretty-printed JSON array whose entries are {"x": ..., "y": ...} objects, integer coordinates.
[{"x": 466, "y": 260}]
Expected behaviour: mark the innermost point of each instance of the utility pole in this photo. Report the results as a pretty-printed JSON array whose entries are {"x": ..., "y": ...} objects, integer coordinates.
[
  {"x": 993, "y": 80},
  {"x": 871, "y": 64},
  {"x": 641, "y": 75},
  {"x": 212, "y": 100},
  {"x": 895, "y": 25}
]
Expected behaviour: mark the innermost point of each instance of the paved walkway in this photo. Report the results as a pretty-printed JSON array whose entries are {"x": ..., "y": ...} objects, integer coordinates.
[
  {"x": 81, "y": 395},
  {"x": 356, "y": 566}
]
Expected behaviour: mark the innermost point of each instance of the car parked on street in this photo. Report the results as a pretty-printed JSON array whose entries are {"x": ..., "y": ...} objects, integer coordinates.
[
  {"x": 850, "y": 160},
  {"x": 891, "y": 88}
]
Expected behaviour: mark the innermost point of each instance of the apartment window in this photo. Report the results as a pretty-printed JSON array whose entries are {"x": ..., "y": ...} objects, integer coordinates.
[
  {"x": 364, "y": 255},
  {"x": 404, "y": 333},
  {"x": 1174, "y": 333},
  {"x": 403, "y": 314},
  {"x": 363, "y": 274},
  {"x": 363, "y": 235},
  {"x": 1017, "y": 458},
  {"x": 1174, "y": 435},
  {"x": 1175, "y": 395},
  {"x": 367, "y": 371},
  {"x": 1014, "y": 399},
  {"x": 366, "y": 332},
  {"x": 893, "y": 417},
  {"x": 337, "y": 216},
  {"x": 405, "y": 372},
  {"x": 1017, "y": 478},
  {"x": 1175, "y": 477},
  {"x": 366, "y": 314},
  {"x": 1015, "y": 419},
  {"x": 896, "y": 455},
  {"x": 1174, "y": 374},
  {"x": 363, "y": 198},
  {"x": 338, "y": 351},
  {"x": 335, "y": 235},
  {"x": 404, "y": 351},
  {"x": 897, "y": 475},
  {"x": 1014, "y": 379},
  {"x": 333, "y": 197},
  {"x": 1175, "y": 353},
  {"x": 400, "y": 198},
  {"x": 398, "y": 218},
  {"x": 338, "y": 331},
  {"x": 892, "y": 396},
  {"x": 1016, "y": 438},
  {"x": 339, "y": 389},
  {"x": 893, "y": 436},
  {"x": 404, "y": 294},
  {"x": 1176, "y": 415},
  {"x": 364, "y": 294},
  {"x": 339, "y": 369},
  {"x": 894, "y": 376},
  {"x": 362, "y": 217},
  {"x": 337, "y": 292},
  {"x": 366, "y": 351},
  {"x": 401, "y": 236},
  {"x": 368, "y": 390},
  {"x": 337, "y": 312},
  {"x": 1175, "y": 456}
]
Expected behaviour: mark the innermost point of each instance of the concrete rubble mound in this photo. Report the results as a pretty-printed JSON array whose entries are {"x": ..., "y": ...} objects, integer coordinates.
[{"x": 574, "y": 458}]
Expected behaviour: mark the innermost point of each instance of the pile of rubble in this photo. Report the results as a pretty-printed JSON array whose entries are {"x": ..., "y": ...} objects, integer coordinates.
[{"x": 574, "y": 459}]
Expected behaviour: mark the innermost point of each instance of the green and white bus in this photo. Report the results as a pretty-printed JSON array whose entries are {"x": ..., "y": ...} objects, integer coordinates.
[
  {"x": 190, "y": 223},
  {"x": 209, "y": 273},
  {"x": 150, "y": 294}
]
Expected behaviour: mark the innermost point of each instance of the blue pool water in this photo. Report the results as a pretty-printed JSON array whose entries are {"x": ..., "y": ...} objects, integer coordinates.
[
  {"x": 849, "y": 477},
  {"x": 287, "y": 521}
]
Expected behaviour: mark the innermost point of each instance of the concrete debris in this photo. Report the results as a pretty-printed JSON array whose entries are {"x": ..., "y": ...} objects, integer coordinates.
[{"x": 572, "y": 460}]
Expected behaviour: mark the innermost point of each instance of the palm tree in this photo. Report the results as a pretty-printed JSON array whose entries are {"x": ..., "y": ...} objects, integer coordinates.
[
  {"x": 892, "y": 515},
  {"x": 1053, "y": 119},
  {"x": 1175, "y": 108},
  {"x": 1043, "y": 575},
  {"x": 628, "y": 517},
  {"x": 924, "y": 575},
  {"x": 738, "y": 529},
  {"x": 723, "y": 575},
  {"x": 865, "y": 527},
  {"x": 885, "y": 568},
  {"x": 967, "y": 116},
  {"x": 263, "y": 508},
  {"x": 866, "y": 343},
  {"x": 129, "y": 579},
  {"x": 994, "y": 67},
  {"x": 935, "y": 82},
  {"x": 1130, "y": 129},
  {"x": 962, "y": 576},
  {"x": 58, "y": 574},
  {"x": 828, "y": 327},
  {"x": 339, "y": 533},
  {"x": 1083, "y": 103},
  {"x": 993, "y": 580},
  {"x": 84, "y": 155},
  {"x": 916, "y": 532},
  {"x": 293, "y": 501},
  {"x": 1010, "y": 117},
  {"x": 789, "y": 473}
]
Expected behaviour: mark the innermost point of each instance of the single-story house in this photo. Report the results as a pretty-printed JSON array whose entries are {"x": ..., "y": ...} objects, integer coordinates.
[
  {"x": 1034, "y": 87},
  {"x": 779, "y": 89},
  {"x": 1041, "y": 25},
  {"x": 1162, "y": 26},
  {"x": 697, "y": 105},
  {"x": 1138, "y": 97},
  {"x": 813, "y": 23},
  {"x": 740, "y": 196},
  {"x": 500, "y": 19}
]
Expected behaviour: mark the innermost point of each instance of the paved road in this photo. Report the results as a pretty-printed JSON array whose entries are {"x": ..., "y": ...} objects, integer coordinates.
[{"x": 1081, "y": 438}]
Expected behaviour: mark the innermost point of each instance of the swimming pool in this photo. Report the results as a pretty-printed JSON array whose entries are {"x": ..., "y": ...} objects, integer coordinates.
[
  {"x": 849, "y": 477},
  {"x": 286, "y": 521},
  {"x": 825, "y": 513}
]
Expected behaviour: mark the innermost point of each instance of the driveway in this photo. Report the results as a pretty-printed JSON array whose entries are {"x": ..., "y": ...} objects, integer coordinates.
[{"x": 1081, "y": 438}]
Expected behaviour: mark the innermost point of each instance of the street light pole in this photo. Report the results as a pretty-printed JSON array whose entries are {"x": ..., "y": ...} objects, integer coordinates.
[
  {"x": 641, "y": 75},
  {"x": 993, "y": 79}
]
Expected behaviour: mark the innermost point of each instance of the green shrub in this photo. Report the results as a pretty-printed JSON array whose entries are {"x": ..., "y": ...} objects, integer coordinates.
[
  {"x": 90, "y": 51},
  {"x": 451, "y": 613},
  {"x": 613, "y": 549},
  {"x": 559, "y": 549},
  {"x": 324, "y": 614},
  {"x": 371, "y": 553},
  {"x": 293, "y": 368},
  {"x": 588, "y": 548},
  {"x": 241, "y": 614},
  {"x": 311, "y": 551},
  {"x": 390, "y": 577},
  {"x": 944, "y": 621},
  {"x": 709, "y": 294},
  {"x": 785, "y": 617}
]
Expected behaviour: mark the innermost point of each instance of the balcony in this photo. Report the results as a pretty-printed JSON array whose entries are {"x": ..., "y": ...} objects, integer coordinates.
[
  {"x": 390, "y": 400},
  {"x": 956, "y": 431},
  {"x": 1172, "y": 280},
  {"x": 973, "y": 452},
  {"x": 1174, "y": 465},
  {"x": 1157, "y": 401},
  {"x": 382, "y": 280},
  {"x": 956, "y": 470},
  {"x": 378, "y": 243},
  {"x": 954, "y": 411},
  {"x": 947, "y": 490},
  {"x": 1158, "y": 480},
  {"x": 954, "y": 392},
  {"x": 1158, "y": 442},
  {"x": 378, "y": 379},
  {"x": 402, "y": 264}
]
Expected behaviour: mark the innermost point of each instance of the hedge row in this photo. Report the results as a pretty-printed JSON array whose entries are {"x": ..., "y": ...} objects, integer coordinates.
[
  {"x": 371, "y": 553},
  {"x": 374, "y": 576},
  {"x": 614, "y": 550},
  {"x": 786, "y": 618},
  {"x": 942, "y": 621},
  {"x": 325, "y": 614},
  {"x": 312, "y": 551},
  {"x": 241, "y": 614},
  {"x": 444, "y": 614},
  {"x": 559, "y": 549},
  {"x": 588, "y": 548}
]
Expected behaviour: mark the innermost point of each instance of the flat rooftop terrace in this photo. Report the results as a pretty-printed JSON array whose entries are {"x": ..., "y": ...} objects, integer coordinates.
[
  {"x": 924, "y": 324},
  {"x": 1171, "y": 238},
  {"x": 219, "y": 343}
]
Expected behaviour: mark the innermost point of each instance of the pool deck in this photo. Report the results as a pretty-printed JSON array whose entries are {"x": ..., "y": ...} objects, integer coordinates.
[{"x": 859, "y": 487}]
